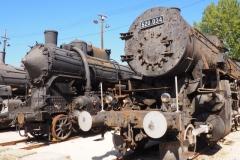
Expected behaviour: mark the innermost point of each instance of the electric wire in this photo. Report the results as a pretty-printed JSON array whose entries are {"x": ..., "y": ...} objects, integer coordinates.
[
  {"x": 111, "y": 13},
  {"x": 90, "y": 18}
]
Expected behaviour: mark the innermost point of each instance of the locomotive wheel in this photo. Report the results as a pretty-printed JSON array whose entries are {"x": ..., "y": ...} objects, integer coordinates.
[
  {"x": 61, "y": 127},
  {"x": 96, "y": 129},
  {"x": 187, "y": 135}
]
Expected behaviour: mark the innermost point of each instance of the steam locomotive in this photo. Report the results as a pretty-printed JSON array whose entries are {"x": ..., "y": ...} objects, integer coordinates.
[
  {"x": 65, "y": 81},
  {"x": 12, "y": 86},
  {"x": 192, "y": 88}
]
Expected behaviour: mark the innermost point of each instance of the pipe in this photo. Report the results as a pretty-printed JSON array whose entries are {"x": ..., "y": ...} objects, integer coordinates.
[
  {"x": 101, "y": 96},
  {"x": 176, "y": 86},
  {"x": 201, "y": 129},
  {"x": 206, "y": 90},
  {"x": 86, "y": 121},
  {"x": 87, "y": 71},
  {"x": 98, "y": 120}
]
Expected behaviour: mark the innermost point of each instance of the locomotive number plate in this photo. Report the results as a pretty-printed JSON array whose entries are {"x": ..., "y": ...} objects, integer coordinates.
[{"x": 152, "y": 22}]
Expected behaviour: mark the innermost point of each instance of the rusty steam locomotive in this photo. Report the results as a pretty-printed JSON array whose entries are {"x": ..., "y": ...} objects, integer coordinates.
[
  {"x": 191, "y": 87},
  {"x": 65, "y": 81},
  {"x": 13, "y": 85}
]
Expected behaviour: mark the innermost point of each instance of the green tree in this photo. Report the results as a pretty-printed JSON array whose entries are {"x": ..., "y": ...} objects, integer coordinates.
[{"x": 223, "y": 20}]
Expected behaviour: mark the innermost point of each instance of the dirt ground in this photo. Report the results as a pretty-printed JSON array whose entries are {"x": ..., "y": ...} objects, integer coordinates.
[
  {"x": 92, "y": 148},
  {"x": 226, "y": 149}
]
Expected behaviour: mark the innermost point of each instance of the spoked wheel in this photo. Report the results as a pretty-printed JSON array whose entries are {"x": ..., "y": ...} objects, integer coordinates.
[
  {"x": 61, "y": 127},
  {"x": 192, "y": 139}
]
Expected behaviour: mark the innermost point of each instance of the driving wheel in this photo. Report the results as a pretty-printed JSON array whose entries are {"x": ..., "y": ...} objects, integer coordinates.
[{"x": 61, "y": 127}]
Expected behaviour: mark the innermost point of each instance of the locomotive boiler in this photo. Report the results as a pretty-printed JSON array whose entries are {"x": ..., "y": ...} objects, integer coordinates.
[
  {"x": 192, "y": 87},
  {"x": 12, "y": 86},
  {"x": 65, "y": 81}
]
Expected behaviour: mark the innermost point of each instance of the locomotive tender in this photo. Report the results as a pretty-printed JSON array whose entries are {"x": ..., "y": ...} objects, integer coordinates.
[
  {"x": 12, "y": 86},
  {"x": 65, "y": 81},
  {"x": 192, "y": 87}
]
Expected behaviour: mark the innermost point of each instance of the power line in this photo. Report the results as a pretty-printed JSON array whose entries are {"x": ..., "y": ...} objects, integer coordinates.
[
  {"x": 134, "y": 7},
  {"x": 95, "y": 33},
  {"x": 114, "y": 28},
  {"x": 192, "y": 4},
  {"x": 91, "y": 34},
  {"x": 85, "y": 20},
  {"x": 90, "y": 18}
]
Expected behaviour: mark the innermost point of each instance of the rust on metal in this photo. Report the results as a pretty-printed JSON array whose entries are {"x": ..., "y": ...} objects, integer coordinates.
[
  {"x": 21, "y": 118},
  {"x": 147, "y": 89}
]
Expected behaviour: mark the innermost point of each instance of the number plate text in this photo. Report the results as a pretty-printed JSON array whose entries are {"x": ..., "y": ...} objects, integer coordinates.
[{"x": 152, "y": 22}]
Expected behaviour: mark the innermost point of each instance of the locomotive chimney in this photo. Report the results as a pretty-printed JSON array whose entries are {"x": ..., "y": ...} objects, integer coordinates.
[
  {"x": 2, "y": 57},
  {"x": 50, "y": 37}
]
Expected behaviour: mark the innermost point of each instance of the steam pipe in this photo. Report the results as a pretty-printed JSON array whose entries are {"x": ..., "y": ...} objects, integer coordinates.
[
  {"x": 176, "y": 88},
  {"x": 201, "y": 129},
  {"x": 101, "y": 96},
  {"x": 87, "y": 71}
]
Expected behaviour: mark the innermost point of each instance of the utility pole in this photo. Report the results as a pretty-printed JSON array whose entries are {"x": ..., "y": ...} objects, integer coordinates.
[
  {"x": 2, "y": 53},
  {"x": 102, "y": 18},
  {"x": 5, "y": 40}
]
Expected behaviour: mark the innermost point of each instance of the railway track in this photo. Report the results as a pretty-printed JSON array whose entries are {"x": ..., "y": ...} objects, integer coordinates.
[
  {"x": 75, "y": 147},
  {"x": 14, "y": 142},
  {"x": 33, "y": 143}
]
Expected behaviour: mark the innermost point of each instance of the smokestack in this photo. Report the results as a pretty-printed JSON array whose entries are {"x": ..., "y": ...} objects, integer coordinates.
[
  {"x": 50, "y": 37},
  {"x": 2, "y": 57}
]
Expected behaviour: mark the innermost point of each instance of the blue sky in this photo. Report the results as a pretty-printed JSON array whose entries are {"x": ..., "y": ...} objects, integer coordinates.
[{"x": 26, "y": 21}]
